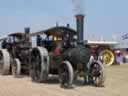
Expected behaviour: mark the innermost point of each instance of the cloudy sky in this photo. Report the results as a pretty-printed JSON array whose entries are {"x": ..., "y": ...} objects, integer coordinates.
[{"x": 107, "y": 18}]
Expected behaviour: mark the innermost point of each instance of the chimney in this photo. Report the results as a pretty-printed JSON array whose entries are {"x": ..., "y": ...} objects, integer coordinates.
[
  {"x": 80, "y": 26},
  {"x": 68, "y": 25},
  {"x": 27, "y": 30}
]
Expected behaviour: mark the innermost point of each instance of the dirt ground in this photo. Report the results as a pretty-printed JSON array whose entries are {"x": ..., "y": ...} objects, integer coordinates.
[{"x": 116, "y": 85}]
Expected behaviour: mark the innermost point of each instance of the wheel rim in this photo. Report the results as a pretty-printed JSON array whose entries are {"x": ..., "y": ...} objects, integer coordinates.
[
  {"x": 16, "y": 68},
  {"x": 108, "y": 57},
  {"x": 39, "y": 65},
  {"x": 66, "y": 75},
  {"x": 1, "y": 61},
  {"x": 96, "y": 74},
  {"x": 4, "y": 62},
  {"x": 36, "y": 65}
]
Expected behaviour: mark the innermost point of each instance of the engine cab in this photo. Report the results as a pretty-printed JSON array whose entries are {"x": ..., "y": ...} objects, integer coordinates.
[{"x": 56, "y": 37}]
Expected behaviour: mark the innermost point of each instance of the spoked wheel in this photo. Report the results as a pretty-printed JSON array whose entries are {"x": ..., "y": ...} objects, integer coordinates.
[
  {"x": 66, "y": 75},
  {"x": 16, "y": 68},
  {"x": 4, "y": 62},
  {"x": 108, "y": 57},
  {"x": 97, "y": 74},
  {"x": 39, "y": 65}
]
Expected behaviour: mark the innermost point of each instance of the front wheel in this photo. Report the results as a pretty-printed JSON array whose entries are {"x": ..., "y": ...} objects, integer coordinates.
[
  {"x": 66, "y": 75},
  {"x": 97, "y": 74},
  {"x": 16, "y": 68}
]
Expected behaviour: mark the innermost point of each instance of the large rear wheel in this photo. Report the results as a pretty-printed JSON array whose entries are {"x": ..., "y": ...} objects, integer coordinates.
[
  {"x": 4, "y": 62},
  {"x": 39, "y": 65}
]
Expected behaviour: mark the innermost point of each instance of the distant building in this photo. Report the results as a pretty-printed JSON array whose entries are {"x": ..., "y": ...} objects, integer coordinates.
[
  {"x": 99, "y": 42},
  {"x": 122, "y": 42}
]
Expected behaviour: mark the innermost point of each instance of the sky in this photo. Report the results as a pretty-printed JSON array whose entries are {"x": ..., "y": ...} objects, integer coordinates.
[{"x": 107, "y": 18}]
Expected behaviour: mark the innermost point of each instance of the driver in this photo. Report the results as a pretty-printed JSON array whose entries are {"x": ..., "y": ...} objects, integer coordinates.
[
  {"x": 4, "y": 44},
  {"x": 39, "y": 40},
  {"x": 70, "y": 42}
]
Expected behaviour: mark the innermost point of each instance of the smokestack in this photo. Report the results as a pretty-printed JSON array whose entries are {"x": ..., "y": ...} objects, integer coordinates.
[
  {"x": 80, "y": 26},
  {"x": 68, "y": 25},
  {"x": 27, "y": 30}
]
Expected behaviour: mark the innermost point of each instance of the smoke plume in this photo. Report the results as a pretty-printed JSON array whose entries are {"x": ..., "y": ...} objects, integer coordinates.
[{"x": 78, "y": 6}]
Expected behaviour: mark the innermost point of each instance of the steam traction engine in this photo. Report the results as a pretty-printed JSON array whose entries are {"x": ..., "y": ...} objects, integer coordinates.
[
  {"x": 103, "y": 50},
  {"x": 61, "y": 51},
  {"x": 15, "y": 53}
]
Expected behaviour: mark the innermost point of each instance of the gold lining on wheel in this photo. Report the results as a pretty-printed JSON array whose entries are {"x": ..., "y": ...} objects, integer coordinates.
[{"x": 108, "y": 57}]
